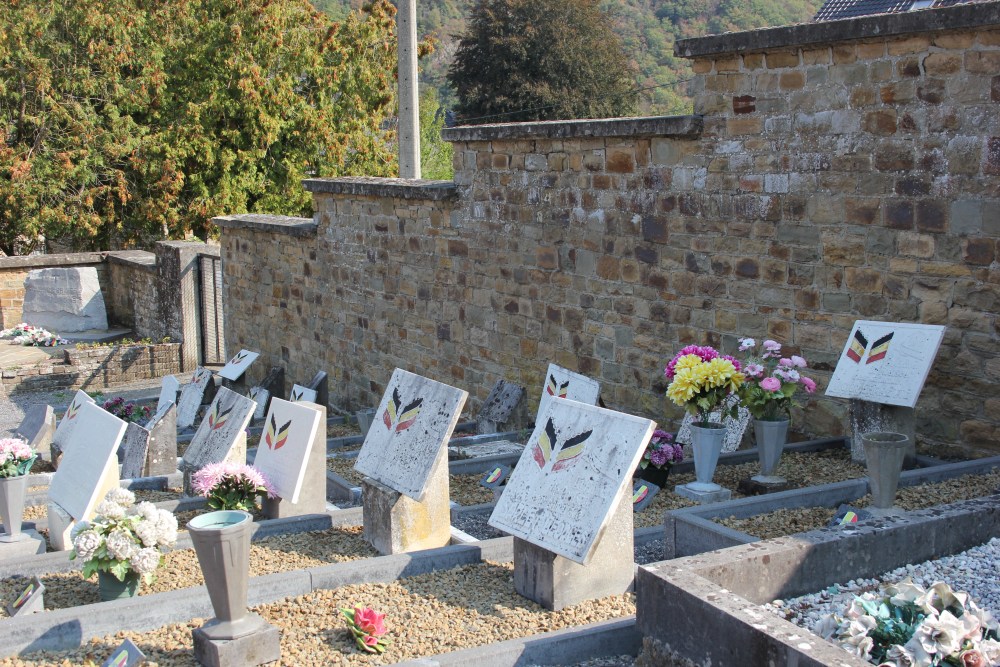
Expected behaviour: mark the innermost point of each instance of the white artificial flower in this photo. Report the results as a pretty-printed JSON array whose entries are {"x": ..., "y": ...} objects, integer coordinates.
[
  {"x": 120, "y": 544},
  {"x": 86, "y": 544},
  {"x": 990, "y": 648},
  {"x": 146, "y": 510},
  {"x": 78, "y": 528},
  {"x": 111, "y": 510},
  {"x": 941, "y": 635},
  {"x": 746, "y": 344},
  {"x": 898, "y": 656},
  {"x": 147, "y": 532},
  {"x": 827, "y": 626},
  {"x": 123, "y": 497},
  {"x": 903, "y": 591},
  {"x": 145, "y": 561},
  {"x": 166, "y": 525}
]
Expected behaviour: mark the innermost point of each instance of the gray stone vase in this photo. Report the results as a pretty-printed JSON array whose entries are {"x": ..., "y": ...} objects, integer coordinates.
[
  {"x": 12, "y": 507},
  {"x": 770, "y": 436},
  {"x": 884, "y": 454},
  {"x": 222, "y": 542},
  {"x": 706, "y": 444}
]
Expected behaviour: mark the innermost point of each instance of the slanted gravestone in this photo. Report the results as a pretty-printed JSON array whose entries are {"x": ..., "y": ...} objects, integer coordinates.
[
  {"x": 135, "y": 444},
  {"x": 64, "y": 300},
  {"x": 273, "y": 385},
  {"x": 221, "y": 435},
  {"x": 320, "y": 384},
  {"x": 883, "y": 368},
  {"x": 301, "y": 394},
  {"x": 191, "y": 397},
  {"x": 161, "y": 455},
  {"x": 498, "y": 410},
  {"x": 29, "y": 600},
  {"x": 238, "y": 365},
  {"x": 563, "y": 383},
  {"x": 88, "y": 472},
  {"x": 568, "y": 504},
  {"x": 168, "y": 392},
  {"x": 735, "y": 428},
  {"x": 262, "y": 397},
  {"x": 126, "y": 655},
  {"x": 405, "y": 460},
  {"x": 292, "y": 454},
  {"x": 67, "y": 425},
  {"x": 38, "y": 427}
]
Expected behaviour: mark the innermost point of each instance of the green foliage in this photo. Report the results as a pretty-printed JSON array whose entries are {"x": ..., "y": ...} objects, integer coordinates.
[
  {"x": 122, "y": 121},
  {"x": 435, "y": 153},
  {"x": 527, "y": 60}
]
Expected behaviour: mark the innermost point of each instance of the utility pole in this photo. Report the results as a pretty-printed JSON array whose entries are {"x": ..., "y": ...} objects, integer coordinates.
[{"x": 409, "y": 107}]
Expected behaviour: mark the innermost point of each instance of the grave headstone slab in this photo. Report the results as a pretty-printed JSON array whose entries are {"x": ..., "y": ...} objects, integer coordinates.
[
  {"x": 161, "y": 455},
  {"x": 238, "y": 365},
  {"x": 302, "y": 394},
  {"x": 191, "y": 396},
  {"x": 30, "y": 600},
  {"x": 412, "y": 425},
  {"x": 576, "y": 465},
  {"x": 495, "y": 477},
  {"x": 219, "y": 431},
  {"x": 38, "y": 427},
  {"x": 68, "y": 424},
  {"x": 273, "y": 385},
  {"x": 168, "y": 392},
  {"x": 64, "y": 300},
  {"x": 735, "y": 428},
  {"x": 126, "y": 655},
  {"x": 312, "y": 493},
  {"x": 498, "y": 410},
  {"x": 285, "y": 445},
  {"x": 135, "y": 445},
  {"x": 262, "y": 397},
  {"x": 563, "y": 383},
  {"x": 642, "y": 494},
  {"x": 321, "y": 385}
]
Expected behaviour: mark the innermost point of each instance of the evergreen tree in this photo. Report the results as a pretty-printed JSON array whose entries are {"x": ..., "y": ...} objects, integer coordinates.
[{"x": 525, "y": 60}]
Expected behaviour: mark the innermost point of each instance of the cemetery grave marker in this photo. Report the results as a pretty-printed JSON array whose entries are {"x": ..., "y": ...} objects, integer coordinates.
[
  {"x": 168, "y": 392},
  {"x": 734, "y": 427},
  {"x": 302, "y": 394},
  {"x": 847, "y": 515},
  {"x": 68, "y": 424},
  {"x": 497, "y": 411},
  {"x": 238, "y": 365},
  {"x": 293, "y": 445},
  {"x": 642, "y": 494},
  {"x": 89, "y": 471},
  {"x": 563, "y": 383},
  {"x": 221, "y": 435},
  {"x": 135, "y": 444},
  {"x": 320, "y": 384},
  {"x": 161, "y": 454},
  {"x": 495, "y": 477},
  {"x": 30, "y": 600},
  {"x": 38, "y": 428},
  {"x": 568, "y": 504},
  {"x": 262, "y": 397},
  {"x": 273, "y": 385},
  {"x": 126, "y": 655},
  {"x": 405, "y": 460},
  {"x": 191, "y": 397}
]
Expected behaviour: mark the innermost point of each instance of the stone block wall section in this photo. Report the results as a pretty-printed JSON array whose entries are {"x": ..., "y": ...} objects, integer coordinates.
[
  {"x": 832, "y": 172},
  {"x": 13, "y": 271}
]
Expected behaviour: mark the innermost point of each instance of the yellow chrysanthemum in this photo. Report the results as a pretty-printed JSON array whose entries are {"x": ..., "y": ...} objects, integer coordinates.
[
  {"x": 683, "y": 387},
  {"x": 688, "y": 361}
]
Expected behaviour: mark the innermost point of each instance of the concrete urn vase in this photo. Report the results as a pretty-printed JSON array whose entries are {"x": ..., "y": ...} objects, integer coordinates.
[
  {"x": 222, "y": 542},
  {"x": 12, "y": 507},
  {"x": 706, "y": 443},
  {"x": 771, "y": 436},
  {"x": 884, "y": 454}
]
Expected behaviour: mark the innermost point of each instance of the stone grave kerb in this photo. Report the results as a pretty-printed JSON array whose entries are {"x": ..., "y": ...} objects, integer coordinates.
[{"x": 292, "y": 453}]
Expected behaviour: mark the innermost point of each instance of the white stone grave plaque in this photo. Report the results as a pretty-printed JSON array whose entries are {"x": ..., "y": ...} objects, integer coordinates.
[
  {"x": 220, "y": 429},
  {"x": 69, "y": 420},
  {"x": 302, "y": 394},
  {"x": 168, "y": 392},
  {"x": 886, "y": 362},
  {"x": 238, "y": 365},
  {"x": 191, "y": 395},
  {"x": 563, "y": 383},
  {"x": 412, "y": 425},
  {"x": 90, "y": 462},
  {"x": 734, "y": 427},
  {"x": 285, "y": 445},
  {"x": 575, "y": 466}
]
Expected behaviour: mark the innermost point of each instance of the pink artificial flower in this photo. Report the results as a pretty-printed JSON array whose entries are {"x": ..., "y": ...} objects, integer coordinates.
[
  {"x": 754, "y": 370},
  {"x": 734, "y": 360},
  {"x": 770, "y": 384},
  {"x": 369, "y": 622},
  {"x": 799, "y": 361},
  {"x": 746, "y": 344},
  {"x": 771, "y": 348},
  {"x": 809, "y": 384},
  {"x": 785, "y": 362}
]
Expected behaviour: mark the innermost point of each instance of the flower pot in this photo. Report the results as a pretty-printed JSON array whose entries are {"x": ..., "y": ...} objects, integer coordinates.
[
  {"x": 222, "y": 542},
  {"x": 884, "y": 454},
  {"x": 365, "y": 419},
  {"x": 771, "y": 436},
  {"x": 12, "y": 507},
  {"x": 110, "y": 588},
  {"x": 655, "y": 475},
  {"x": 706, "y": 443}
]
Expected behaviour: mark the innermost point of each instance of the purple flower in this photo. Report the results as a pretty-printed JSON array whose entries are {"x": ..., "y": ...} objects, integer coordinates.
[
  {"x": 771, "y": 348},
  {"x": 735, "y": 362},
  {"x": 706, "y": 353},
  {"x": 770, "y": 384},
  {"x": 799, "y": 361},
  {"x": 658, "y": 458}
]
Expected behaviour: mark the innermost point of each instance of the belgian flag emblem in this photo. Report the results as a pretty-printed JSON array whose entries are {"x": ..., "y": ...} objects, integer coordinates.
[
  {"x": 879, "y": 349},
  {"x": 858, "y": 345},
  {"x": 402, "y": 417},
  {"x": 566, "y": 455},
  {"x": 553, "y": 388}
]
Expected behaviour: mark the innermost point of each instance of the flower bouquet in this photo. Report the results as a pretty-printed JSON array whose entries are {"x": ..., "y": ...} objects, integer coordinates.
[
  {"x": 16, "y": 457},
  {"x": 124, "y": 541},
  {"x": 25, "y": 334},
  {"x": 231, "y": 486},
  {"x": 660, "y": 456},
  {"x": 127, "y": 411},
  {"x": 771, "y": 380},
  {"x": 368, "y": 627}
]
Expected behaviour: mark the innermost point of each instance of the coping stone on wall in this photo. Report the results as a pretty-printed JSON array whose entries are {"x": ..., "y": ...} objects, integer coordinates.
[
  {"x": 655, "y": 126},
  {"x": 276, "y": 224},
  {"x": 960, "y": 17},
  {"x": 395, "y": 188},
  {"x": 140, "y": 258},
  {"x": 51, "y": 261}
]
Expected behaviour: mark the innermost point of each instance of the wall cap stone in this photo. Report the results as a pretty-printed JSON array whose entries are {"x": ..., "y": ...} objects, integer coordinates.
[
  {"x": 140, "y": 258},
  {"x": 275, "y": 224},
  {"x": 47, "y": 261},
  {"x": 959, "y": 17},
  {"x": 652, "y": 126},
  {"x": 396, "y": 188}
]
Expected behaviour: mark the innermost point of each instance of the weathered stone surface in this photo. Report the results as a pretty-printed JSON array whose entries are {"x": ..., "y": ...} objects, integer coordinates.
[
  {"x": 169, "y": 387},
  {"x": 64, "y": 300},
  {"x": 191, "y": 397},
  {"x": 220, "y": 432},
  {"x": 136, "y": 446},
  {"x": 498, "y": 412},
  {"x": 67, "y": 425},
  {"x": 38, "y": 427},
  {"x": 292, "y": 454},
  {"x": 161, "y": 455},
  {"x": 258, "y": 648}
]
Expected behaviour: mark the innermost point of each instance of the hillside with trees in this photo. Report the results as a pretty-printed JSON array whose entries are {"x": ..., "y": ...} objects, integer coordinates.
[{"x": 648, "y": 29}]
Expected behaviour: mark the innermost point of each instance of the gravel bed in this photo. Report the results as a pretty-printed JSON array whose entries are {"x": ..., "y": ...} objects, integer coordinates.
[
  {"x": 180, "y": 567},
  {"x": 427, "y": 614},
  {"x": 464, "y": 489},
  {"x": 973, "y": 571},
  {"x": 799, "y": 520}
]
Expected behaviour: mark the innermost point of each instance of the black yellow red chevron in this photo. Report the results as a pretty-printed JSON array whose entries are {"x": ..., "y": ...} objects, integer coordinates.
[
  {"x": 565, "y": 455},
  {"x": 553, "y": 388},
  {"x": 275, "y": 437},
  {"x": 217, "y": 420},
  {"x": 879, "y": 349},
  {"x": 398, "y": 418},
  {"x": 857, "y": 348}
]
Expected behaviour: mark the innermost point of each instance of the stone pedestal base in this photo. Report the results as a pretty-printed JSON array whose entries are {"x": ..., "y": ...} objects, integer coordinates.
[
  {"x": 555, "y": 582},
  {"x": 703, "y": 497},
  {"x": 312, "y": 496},
  {"x": 60, "y": 525},
  {"x": 29, "y": 544},
  {"x": 395, "y": 523},
  {"x": 254, "y": 649},
  {"x": 758, "y": 486}
]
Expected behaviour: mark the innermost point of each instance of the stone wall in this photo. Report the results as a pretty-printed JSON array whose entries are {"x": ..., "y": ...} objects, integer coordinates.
[
  {"x": 132, "y": 293},
  {"x": 832, "y": 172}
]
